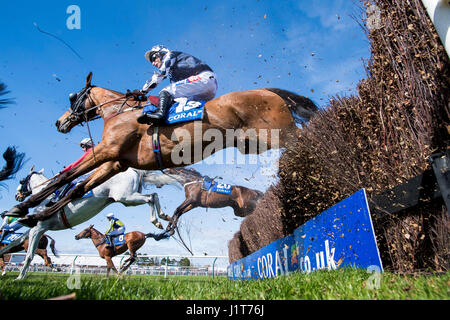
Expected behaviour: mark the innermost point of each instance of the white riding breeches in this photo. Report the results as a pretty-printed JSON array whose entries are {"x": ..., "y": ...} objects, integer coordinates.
[
  {"x": 117, "y": 232},
  {"x": 200, "y": 87}
]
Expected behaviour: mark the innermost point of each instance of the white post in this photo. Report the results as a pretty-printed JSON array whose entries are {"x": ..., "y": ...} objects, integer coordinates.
[
  {"x": 439, "y": 13},
  {"x": 165, "y": 271}
]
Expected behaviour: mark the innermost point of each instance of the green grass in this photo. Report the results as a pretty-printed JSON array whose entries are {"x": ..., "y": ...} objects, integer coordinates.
[{"x": 342, "y": 284}]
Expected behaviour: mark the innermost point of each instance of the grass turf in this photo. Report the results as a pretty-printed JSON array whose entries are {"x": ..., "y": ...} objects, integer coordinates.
[{"x": 342, "y": 284}]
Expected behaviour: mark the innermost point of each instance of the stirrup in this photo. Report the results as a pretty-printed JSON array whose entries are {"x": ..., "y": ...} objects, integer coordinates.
[{"x": 143, "y": 119}]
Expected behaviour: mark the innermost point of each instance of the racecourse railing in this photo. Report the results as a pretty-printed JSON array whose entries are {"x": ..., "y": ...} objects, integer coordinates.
[{"x": 78, "y": 263}]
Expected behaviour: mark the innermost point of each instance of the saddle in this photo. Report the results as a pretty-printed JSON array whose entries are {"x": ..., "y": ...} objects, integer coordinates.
[
  {"x": 10, "y": 237},
  {"x": 208, "y": 182},
  {"x": 62, "y": 192},
  {"x": 182, "y": 110},
  {"x": 116, "y": 240}
]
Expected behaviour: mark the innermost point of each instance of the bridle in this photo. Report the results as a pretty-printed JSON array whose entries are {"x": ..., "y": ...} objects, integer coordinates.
[
  {"x": 24, "y": 190},
  {"x": 79, "y": 114},
  {"x": 86, "y": 234},
  {"x": 78, "y": 111}
]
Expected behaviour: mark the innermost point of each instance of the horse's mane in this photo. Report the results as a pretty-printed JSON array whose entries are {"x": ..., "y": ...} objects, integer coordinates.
[
  {"x": 184, "y": 173},
  {"x": 114, "y": 91},
  {"x": 99, "y": 232}
]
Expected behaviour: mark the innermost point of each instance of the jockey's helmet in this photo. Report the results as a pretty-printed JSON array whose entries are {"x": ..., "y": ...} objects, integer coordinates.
[
  {"x": 86, "y": 142},
  {"x": 110, "y": 215},
  {"x": 157, "y": 51}
]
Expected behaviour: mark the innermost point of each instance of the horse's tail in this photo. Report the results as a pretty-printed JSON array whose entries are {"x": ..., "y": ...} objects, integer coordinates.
[
  {"x": 157, "y": 237},
  {"x": 259, "y": 194},
  {"x": 14, "y": 162},
  {"x": 302, "y": 108},
  {"x": 52, "y": 245}
]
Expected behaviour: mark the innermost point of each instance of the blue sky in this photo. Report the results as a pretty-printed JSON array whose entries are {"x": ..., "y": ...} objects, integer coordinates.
[{"x": 313, "y": 48}]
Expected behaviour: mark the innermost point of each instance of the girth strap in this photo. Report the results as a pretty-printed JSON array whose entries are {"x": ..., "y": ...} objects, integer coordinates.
[
  {"x": 157, "y": 148},
  {"x": 64, "y": 219}
]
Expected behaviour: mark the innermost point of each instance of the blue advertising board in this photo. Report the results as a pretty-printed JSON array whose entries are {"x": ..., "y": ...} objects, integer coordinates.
[{"x": 341, "y": 236}]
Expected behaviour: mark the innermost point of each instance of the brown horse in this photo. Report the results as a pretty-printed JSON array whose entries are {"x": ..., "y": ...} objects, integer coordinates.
[
  {"x": 253, "y": 120},
  {"x": 243, "y": 200},
  {"x": 133, "y": 241},
  {"x": 41, "y": 250}
]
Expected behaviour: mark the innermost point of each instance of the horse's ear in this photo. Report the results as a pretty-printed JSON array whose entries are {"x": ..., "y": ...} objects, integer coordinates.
[
  {"x": 41, "y": 171},
  {"x": 91, "y": 226},
  {"x": 32, "y": 168},
  {"x": 88, "y": 79}
]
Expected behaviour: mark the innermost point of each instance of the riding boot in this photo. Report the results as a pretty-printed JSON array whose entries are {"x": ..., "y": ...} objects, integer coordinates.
[
  {"x": 165, "y": 101},
  {"x": 3, "y": 235},
  {"x": 111, "y": 244}
]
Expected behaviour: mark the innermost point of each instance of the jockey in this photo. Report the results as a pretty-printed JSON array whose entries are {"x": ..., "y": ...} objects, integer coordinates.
[
  {"x": 9, "y": 225},
  {"x": 189, "y": 78},
  {"x": 116, "y": 228},
  {"x": 86, "y": 144}
]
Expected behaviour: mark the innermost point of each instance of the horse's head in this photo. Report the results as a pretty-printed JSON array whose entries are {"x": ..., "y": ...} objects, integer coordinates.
[
  {"x": 79, "y": 110},
  {"x": 25, "y": 188},
  {"x": 85, "y": 234}
]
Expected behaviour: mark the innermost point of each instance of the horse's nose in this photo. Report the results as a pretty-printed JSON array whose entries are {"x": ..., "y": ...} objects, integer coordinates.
[
  {"x": 76, "y": 237},
  {"x": 57, "y": 123}
]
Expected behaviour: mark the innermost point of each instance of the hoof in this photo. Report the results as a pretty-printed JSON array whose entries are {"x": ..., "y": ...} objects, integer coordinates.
[
  {"x": 28, "y": 221},
  {"x": 159, "y": 225},
  {"x": 17, "y": 212}
]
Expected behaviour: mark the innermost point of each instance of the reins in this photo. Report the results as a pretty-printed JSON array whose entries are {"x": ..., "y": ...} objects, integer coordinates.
[
  {"x": 86, "y": 111},
  {"x": 102, "y": 104}
]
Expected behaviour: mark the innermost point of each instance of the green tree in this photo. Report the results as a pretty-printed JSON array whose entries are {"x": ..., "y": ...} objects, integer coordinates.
[{"x": 184, "y": 262}]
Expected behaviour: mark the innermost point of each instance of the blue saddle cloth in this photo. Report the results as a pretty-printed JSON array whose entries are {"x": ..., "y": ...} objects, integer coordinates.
[
  {"x": 63, "y": 191},
  {"x": 207, "y": 184},
  {"x": 11, "y": 237},
  {"x": 221, "y": 187},
  {"x": 183, "y": 110},
  {"x": 118, "y": 240}
]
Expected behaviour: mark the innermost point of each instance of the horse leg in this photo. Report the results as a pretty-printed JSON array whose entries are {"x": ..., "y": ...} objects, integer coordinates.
[
  {"x": 157, "y": 206},
  {"x": 137, "y": 199},
  {"x": 87, "y": 165},
  {"x": 103, "y": 173},
  {"x": 43, "y": 254},
  {"x": 182, "y": 208},
  {"x": 127, "y": 263},
  {"x": 133, "y": 245},
  {"x": 109, "y": 265},
  {"x": 33, "y": 242}
]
